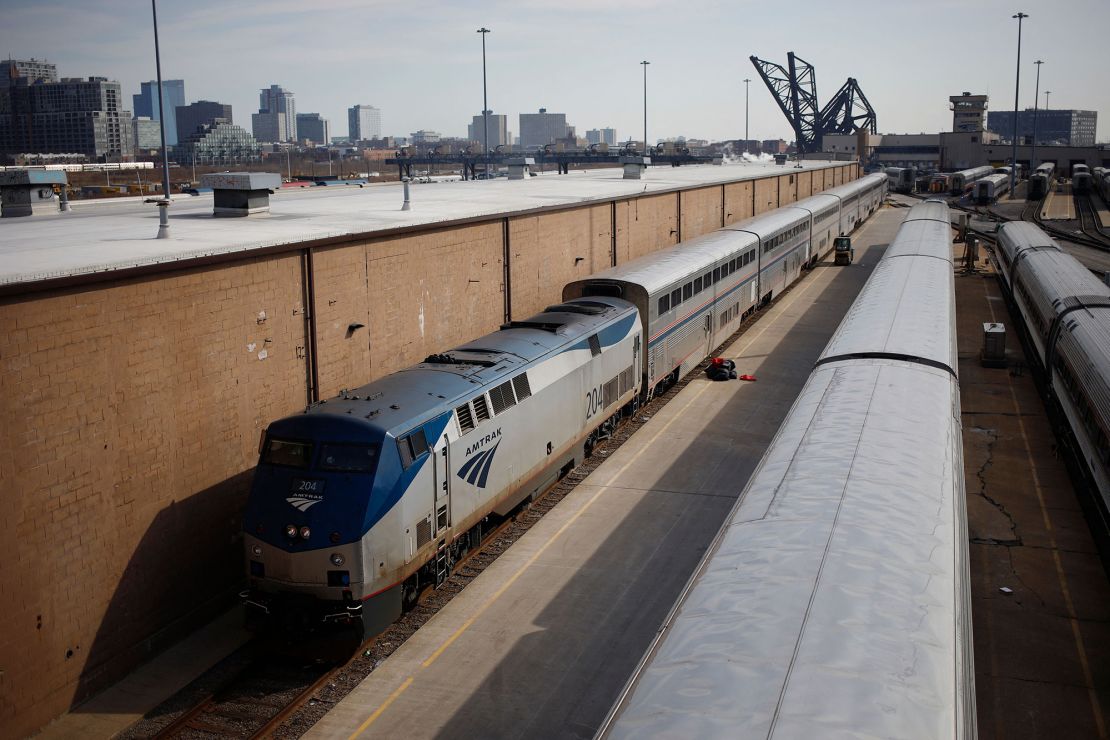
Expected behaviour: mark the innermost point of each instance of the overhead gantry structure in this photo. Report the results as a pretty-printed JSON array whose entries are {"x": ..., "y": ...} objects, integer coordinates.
[{"x": 795, "y": 90}]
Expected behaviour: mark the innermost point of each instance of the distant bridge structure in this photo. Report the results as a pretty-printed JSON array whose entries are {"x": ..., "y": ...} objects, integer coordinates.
[{"x": 794, "y": 88}]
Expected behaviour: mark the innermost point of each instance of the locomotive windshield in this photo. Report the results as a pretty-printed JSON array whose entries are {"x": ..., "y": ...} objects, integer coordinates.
[
  {"x": 335, "y": 457},
  {"x": 348, "y": 458},
  {"x": 287, "y": 452}
]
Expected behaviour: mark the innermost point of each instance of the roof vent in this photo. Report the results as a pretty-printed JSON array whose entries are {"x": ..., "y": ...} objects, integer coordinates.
[
  {"x": 241, "y": 193},
  {"x": 26, "y": 192}
]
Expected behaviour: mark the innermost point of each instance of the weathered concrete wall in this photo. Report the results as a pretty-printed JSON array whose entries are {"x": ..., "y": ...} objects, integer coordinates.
[
  {"x": 551, "y": 249},
  {"x": 701, "y": 211},
  {"x": 131, "y": 408},
  {"x": 651, "y": 222},
  {"x": 739, "y": 201},
  {"x": 130, "y": 415},
  {"x": 766, "y": 195}
]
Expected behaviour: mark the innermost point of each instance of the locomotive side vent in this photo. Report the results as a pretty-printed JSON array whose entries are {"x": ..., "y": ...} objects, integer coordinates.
[
  {"x": 522, "y": 387},
  {"x": 466, "y": 419},
  {"x": 424, "y": 531},
  {"x": 626, "y": 380},
  {"x": 502, "y": 397},
  {"x": 481, "y": 408},
  {"x": 609, "y": 393}
]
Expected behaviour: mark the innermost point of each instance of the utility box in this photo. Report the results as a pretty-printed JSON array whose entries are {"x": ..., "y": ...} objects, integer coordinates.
[{"x": 993, "y": 353}]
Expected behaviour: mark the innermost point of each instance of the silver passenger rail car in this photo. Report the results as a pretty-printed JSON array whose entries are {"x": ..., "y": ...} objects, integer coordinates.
[
  {"x": 834, "y": 602},
  {"x": 1040, "y": 182},
  {"x": 991, "y": 188},
  {"x": 901, "y": 179},
  {"x": 1066, "y": 312},
  {"x": 693, "y": 296},
  {"x": 960, "y": 182}
]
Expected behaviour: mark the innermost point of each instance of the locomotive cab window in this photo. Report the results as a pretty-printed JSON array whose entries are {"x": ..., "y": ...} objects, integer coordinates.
[
  {"x": 411, "y": 447},
  {"x": 348, "y": 458},
  {"x": 287, "y": 452}
]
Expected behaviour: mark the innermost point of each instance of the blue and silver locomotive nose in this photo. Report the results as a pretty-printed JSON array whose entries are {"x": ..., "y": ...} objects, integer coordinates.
[{"x": 319, "y": 480}]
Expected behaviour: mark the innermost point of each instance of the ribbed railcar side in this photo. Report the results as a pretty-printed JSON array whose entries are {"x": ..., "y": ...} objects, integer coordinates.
[
  {"x": 834, "y": 602},
  {"x": 1066, "y": 312}
]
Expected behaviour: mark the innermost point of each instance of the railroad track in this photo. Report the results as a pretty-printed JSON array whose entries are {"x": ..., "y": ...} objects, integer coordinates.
[
  {"x": 1089, "y": 222},
  {"x": 253, "y": 701},
  {"x": 263, "y": 688}
]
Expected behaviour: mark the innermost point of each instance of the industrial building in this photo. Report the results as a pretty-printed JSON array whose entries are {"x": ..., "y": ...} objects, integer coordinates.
[
  {"x": 363, "y": 122},
  {"x": 173, "y": 97},
  {"x": 1053, "y": 126}
]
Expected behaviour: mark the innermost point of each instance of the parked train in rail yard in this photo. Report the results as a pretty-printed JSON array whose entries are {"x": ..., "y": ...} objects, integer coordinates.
[
  {"x": 362, "y": 500},
  {"x": 835, "y": 600},
  {"x": 1066, "y": 312}
]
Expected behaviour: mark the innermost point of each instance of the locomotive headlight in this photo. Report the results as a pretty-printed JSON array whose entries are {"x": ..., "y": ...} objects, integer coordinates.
[
  {"x": 337, "y": 559},
  {"x": 291, "y": 531},
  {"x": 256, "y": 550},
  {"x": 305, "y": 533}
]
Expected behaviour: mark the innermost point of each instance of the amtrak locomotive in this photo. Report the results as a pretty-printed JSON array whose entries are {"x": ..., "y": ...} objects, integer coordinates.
[{"x": 364, "y": 499}]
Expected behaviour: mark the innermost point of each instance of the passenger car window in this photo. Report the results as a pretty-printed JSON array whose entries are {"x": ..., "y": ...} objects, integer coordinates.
[{"x": 664, "y": 304}]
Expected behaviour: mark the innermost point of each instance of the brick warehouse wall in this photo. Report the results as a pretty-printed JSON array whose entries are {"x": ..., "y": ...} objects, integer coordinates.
[{"x": 132, "y": 408}]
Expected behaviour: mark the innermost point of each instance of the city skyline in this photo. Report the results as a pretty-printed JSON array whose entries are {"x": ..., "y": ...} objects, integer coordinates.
[{"x": 436, "y": 84}]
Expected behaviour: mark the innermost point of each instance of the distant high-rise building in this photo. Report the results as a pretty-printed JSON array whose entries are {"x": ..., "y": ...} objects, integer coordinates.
[
  {"x": 70, "y": 116},
  {"x": 147, "y": 134},
  {"x": 275, "y": 99},
  {"x": 1065, "y": 127},
  {"x": 602, "y": 136},
  {"x": 312, "y": 127},
  {"x": 498, "y": 130},
  {"x": 538, "y": 129},
  {"x": 28, "y": 71},
  {"x": 173, "y": 96},
  {"x": 425, "y": 137},
  {"x": 269, "y": 127},
  {"x": 363, "y": 122},
  {"x": 191, "y": 117}
]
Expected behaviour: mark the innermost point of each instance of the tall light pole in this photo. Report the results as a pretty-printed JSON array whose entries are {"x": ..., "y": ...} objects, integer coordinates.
[
  {"x": 746, "y": 138},
  {"x": 485, "y": 105},
  {"x": 164, "y": 205},
  {"x": 1046, "y": 94},
  {"x": 1036, "y": 99},
  {"x": 1017, "y": 87},
  {"x": 645, "y": 63}
]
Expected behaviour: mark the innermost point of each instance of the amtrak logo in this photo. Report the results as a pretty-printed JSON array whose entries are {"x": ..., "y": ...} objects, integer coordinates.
[
  {"x": 303, "y": 501},
  {"x": 476, "y": 469}
]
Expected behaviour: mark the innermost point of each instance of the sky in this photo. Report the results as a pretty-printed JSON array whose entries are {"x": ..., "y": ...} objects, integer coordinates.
[{"x": 420, "y": 62}]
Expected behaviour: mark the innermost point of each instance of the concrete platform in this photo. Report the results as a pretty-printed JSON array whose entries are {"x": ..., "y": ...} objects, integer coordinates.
[
  {"x": 113, "y": 711},
  {"x": 1042, "y": 650},
  {"x": 542, "y": 642},
  {"x": 1059, "y": 205}
]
